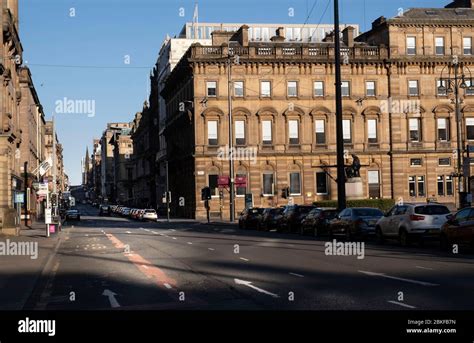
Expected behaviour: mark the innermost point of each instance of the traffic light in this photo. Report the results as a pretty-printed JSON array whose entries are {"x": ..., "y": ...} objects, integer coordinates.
[
  {"x": 206, "y": 194},
  {"x": 54, "y": 200},
  {"x": 285, "y": 194}
]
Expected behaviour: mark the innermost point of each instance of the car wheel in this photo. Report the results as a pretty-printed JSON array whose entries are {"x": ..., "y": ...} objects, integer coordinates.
[
  {"x": 379, "y": 235},
  {"x": 403, "y": 237},
  {"x": 443, "y": 242}
]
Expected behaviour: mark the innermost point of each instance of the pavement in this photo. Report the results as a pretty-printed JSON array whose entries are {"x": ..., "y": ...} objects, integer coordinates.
[
  {"x": 20, "y": 274},
  {"x": 103, "y": 263}
]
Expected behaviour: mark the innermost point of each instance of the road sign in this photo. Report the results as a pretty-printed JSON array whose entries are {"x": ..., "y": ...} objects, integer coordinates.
[
  {"x": 20, "y": 198},
  {"x": 43, "y": 189},
  {"x": 48, "y": 216}
]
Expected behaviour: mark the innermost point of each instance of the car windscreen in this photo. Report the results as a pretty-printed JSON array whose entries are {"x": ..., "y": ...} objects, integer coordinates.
[
  {"x": 367, "y": 212},
  {"x": 150, "y": 211},
  {"x": 432, "y": 210}
]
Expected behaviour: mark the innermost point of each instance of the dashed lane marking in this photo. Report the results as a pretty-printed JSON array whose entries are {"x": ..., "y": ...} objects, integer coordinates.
[
  {"x": 422, "y": 283},
  {"x": 401, "y": 304},
  {"x": 298, "y": 275}
]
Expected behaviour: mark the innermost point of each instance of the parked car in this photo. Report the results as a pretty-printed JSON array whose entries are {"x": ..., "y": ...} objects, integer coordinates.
[
  {"x": 317, "y": 221},
  {"x": 412, "y": 221},
  {"x": 149, "y": 215},
  {"x": 104, "y": 210},
  {"x": 125, "y": 212},
  {"x": 251, "y": 218},
  {"x": 73, "y": 215},
  {"x": 270, "y": 218},
  {"x": 357, "y": 222},
  {"x": 292, "y": 217},
  {"x": 459, "y": 229}
]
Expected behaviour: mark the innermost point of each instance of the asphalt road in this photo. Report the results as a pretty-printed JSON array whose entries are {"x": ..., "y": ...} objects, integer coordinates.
[{"x": 112, "y": 262}]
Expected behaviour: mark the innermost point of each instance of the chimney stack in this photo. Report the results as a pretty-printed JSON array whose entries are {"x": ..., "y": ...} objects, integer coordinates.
[{"x": 348, "y": 36}]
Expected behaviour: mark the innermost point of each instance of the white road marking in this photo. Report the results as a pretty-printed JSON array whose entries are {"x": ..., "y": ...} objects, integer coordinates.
[
  {"x": 128, "y": 232},
  {"x": 190, "y": 243},
  {"x": 298, "y": 275},
  {"x": 167, "y": 285},
  {"x": 401, "y": 304},
  {"x": 145, "y": 266},
  {"x": 249, "y": 284},
  {"x": 174, "y": 238},
  {"x": 399, "y": 279},
  {"x": 244, "y": 259},
  {"x": 211, "y": 249},
  {"x": 173, "y": 230},
  {"x": 419, "y": 267},
  {"x": 111, "y": 295}
]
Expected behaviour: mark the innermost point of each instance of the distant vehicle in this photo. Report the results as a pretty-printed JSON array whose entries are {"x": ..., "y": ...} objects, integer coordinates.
[
  {"x": 270, "y": 218},
  {"x": 149, "y": 215},
  {"x": 293, "y": 216},
  {"x": 459, "y": 229},
  {"x": 73, "y": 215},
  {"x": 318, "y": 220},
  {"x": 412, "y": 221},
  {"x": 104, "y": 210},
  {"x": 355, "y": 222},
  {"x": 251, "y": 218},
  {"x": 126, "y": 211}
]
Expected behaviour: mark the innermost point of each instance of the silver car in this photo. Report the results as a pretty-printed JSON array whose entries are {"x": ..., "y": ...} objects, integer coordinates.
[{"x": 408, "y": 222}]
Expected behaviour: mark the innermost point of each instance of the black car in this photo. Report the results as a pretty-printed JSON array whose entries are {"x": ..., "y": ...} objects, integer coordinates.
[
  {"x": 251, "y": 218},
  {"x": 73, "y": 215},
  {"x": 355, "y": 222},
  {"x": 292, "y": 217},
  {"x": 271, "y": 217},
  {"x": 105, "y": 210},
  {"x": 317, "y": 221}
]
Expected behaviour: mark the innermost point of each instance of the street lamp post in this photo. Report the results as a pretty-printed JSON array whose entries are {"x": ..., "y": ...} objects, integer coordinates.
[
  {"x": 341, "y": 175},
  {"x": 231, "y": 141},
  {"x": 452, "y": 85}
]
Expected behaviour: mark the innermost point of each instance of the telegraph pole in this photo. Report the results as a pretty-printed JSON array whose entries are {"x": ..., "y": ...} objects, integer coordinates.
[{"x": 341, "y": 174}]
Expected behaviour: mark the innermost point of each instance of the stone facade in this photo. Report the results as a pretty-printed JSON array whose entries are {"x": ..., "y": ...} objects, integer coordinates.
[
  {"x": 32, "y": 123},
  {"x": 284, "y": 114},
  {"x": 10, "y": 134}
]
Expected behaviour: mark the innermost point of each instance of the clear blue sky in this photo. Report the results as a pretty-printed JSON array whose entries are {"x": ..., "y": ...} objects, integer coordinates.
[{"x": 104, "y": 31}]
